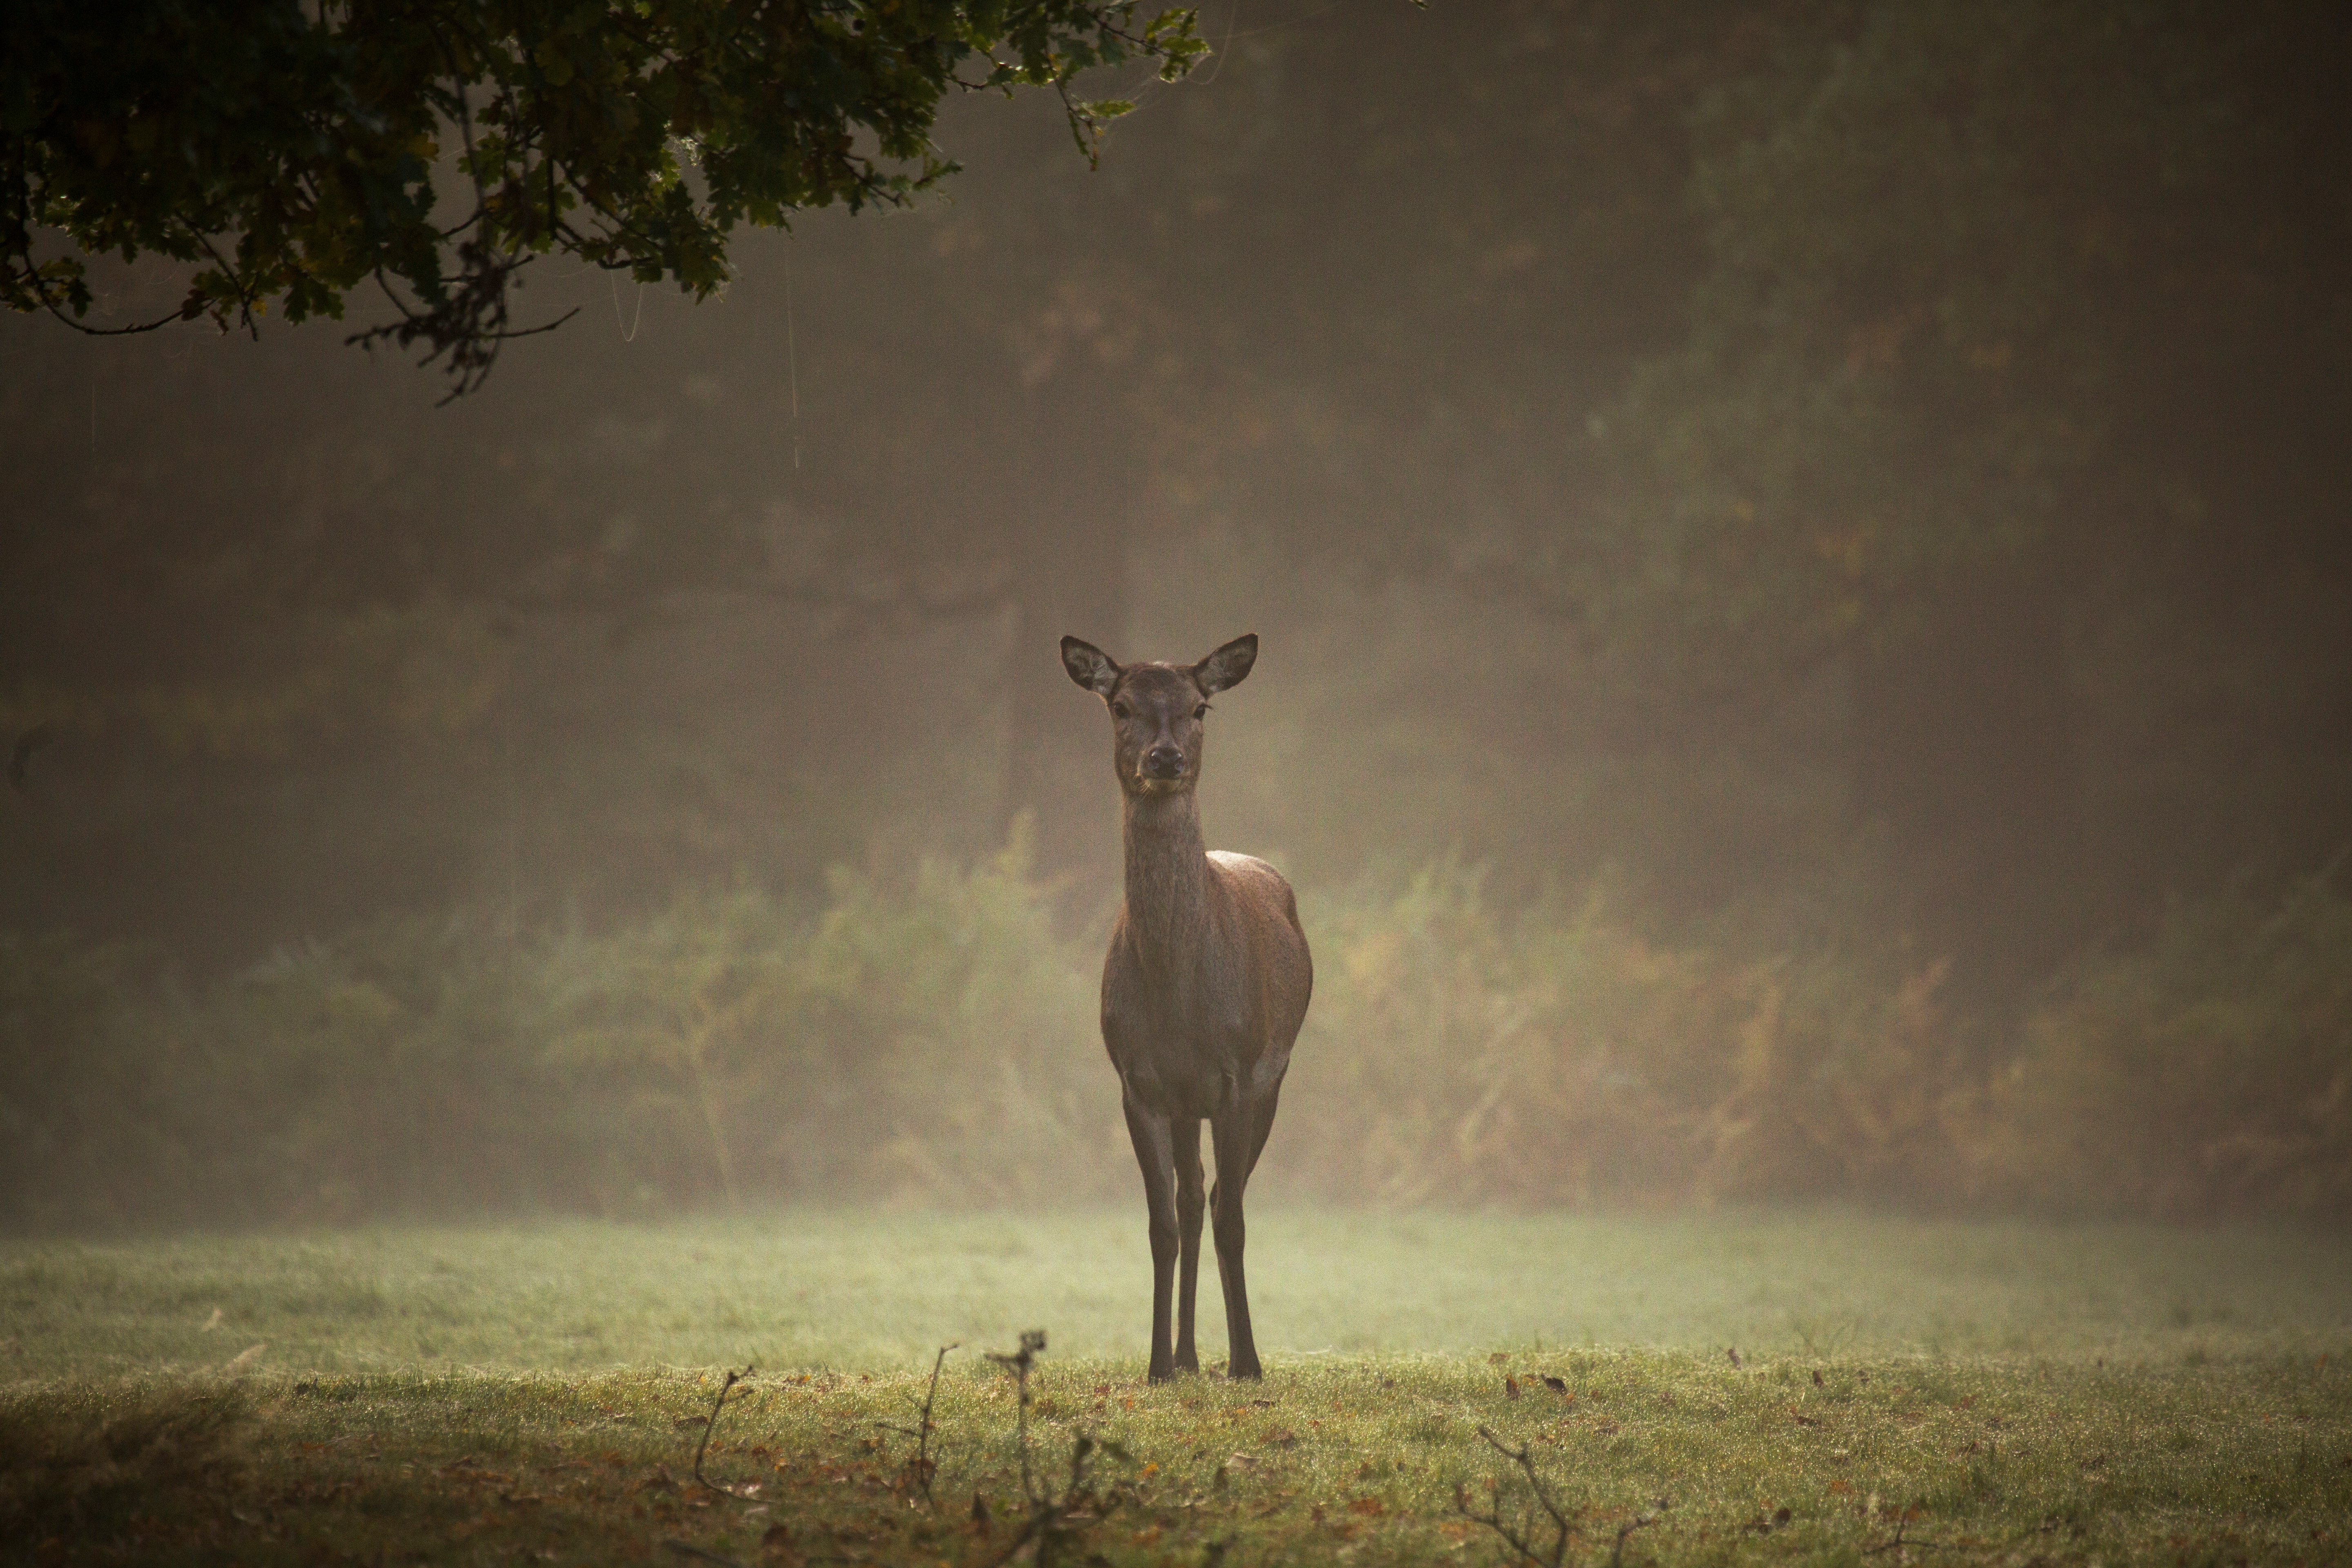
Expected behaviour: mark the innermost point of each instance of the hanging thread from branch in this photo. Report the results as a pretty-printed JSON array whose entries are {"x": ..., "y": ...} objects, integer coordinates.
[{"x": 630, "y": 335}]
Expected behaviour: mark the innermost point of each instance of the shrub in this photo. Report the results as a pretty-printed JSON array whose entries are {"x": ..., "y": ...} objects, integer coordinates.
[
  {"x": 2207, "y": 1072},
  {"x": 1558, "y": 1055},
  {"x": 964, "y": 1031},
  {"x": 932, "y": 1040},
  {"x": 89, "y": 1127},
  {"x": 932, "y": 1037}
]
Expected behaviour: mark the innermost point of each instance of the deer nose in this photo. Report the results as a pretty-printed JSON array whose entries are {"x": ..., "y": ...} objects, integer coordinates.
[{"x": 1163, "y": 762}]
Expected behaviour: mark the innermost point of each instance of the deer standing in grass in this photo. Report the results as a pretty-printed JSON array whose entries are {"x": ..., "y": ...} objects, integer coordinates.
[{"x": 1203, "y": 989}]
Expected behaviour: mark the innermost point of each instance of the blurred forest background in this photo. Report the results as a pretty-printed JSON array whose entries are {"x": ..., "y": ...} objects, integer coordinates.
[{"x": 1803, "y": 560}]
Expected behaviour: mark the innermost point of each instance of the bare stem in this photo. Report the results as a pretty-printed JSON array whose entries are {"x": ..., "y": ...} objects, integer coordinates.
[
  {"x": 1520, "y": 1535},
  {"x": 711, "y": 1424},
  {"x": 922, "y": 1466}
]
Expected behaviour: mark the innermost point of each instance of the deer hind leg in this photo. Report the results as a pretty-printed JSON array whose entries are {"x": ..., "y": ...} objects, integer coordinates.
[
  {"x": 1189, "y": 1205},
  {"x": 1155, "y": 1154},
  {"x": 1262, "y": 1121},
  {"x": 1236, "y": 1140}
]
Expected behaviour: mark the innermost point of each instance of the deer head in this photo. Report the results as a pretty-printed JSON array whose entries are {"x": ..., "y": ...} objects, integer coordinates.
[{"x": 1157, "y": 710}]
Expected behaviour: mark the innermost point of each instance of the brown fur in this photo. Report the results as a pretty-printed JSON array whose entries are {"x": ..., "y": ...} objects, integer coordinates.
[{"x": 1204, "y": 988}]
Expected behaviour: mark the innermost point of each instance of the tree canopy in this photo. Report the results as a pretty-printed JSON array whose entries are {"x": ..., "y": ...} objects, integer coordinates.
[
  {"x": 295, "y": 152},
  {"x": 1965, "y": 258},
  {"x": 2014, "y": 377}
]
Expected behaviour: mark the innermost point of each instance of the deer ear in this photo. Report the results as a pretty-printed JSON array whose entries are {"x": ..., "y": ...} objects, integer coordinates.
[
  {"x": 1229, "y": 666},
  {"x": 1089, "y": 665}
]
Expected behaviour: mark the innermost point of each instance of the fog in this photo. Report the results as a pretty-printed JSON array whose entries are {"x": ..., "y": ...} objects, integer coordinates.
[{"x": 1801, "y": 561}]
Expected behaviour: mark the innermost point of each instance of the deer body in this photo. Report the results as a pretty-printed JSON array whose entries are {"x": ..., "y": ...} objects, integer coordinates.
[{"x": 1204, "y": 988}]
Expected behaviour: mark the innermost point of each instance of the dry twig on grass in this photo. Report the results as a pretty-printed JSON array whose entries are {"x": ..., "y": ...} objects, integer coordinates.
[
  {"x": 922, "y": 1466},
  {"x": 709, "y": 1426},
  {"x": 1056, "y": 1524},
  {"x": 1899, "y": 1545},
  {"x": 1021, "y": 1364},
  {"x": 1521, "y": 1535}
]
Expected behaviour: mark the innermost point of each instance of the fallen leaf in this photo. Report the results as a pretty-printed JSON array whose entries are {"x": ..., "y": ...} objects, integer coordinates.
[
  {"x": 1499, "y": 1358},
  {"x": 1370, "y": 1507},
  {"x": 245, "y": 1359},
  {"x": 1510, "y": 1386},
  {"x": 1556, "y": 1384},
  {"x": 214, "y": 1321},
  {"x": 1733, "y": 1352},
  {"x": 1817, "y": 1379}
]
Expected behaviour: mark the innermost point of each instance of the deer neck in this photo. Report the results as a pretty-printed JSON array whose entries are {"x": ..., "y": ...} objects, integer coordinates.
[{"x": 1167, "y": 879}]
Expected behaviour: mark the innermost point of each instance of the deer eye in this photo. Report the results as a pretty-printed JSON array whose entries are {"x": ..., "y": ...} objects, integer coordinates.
[
  {"x": 1122, "y": 710},
  {"x": 1202, "y": 712}
]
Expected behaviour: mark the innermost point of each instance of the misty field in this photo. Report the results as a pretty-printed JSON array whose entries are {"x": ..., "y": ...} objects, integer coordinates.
[{"x": 1994, "y": 1391}]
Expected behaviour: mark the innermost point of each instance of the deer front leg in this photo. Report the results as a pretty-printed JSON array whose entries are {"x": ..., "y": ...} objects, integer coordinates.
[
  {"x": 1155, "y": 1153},
  {"x": 1235, "y": 1135},
  {"x": 1190, "y": 1203}
]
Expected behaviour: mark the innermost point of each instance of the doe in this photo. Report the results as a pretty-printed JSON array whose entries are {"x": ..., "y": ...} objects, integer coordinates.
[{"x": 1203, "y": 990}]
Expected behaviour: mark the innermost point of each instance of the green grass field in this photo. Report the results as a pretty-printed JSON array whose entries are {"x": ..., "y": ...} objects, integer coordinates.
[{"x": 1904, "y": 1391}]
